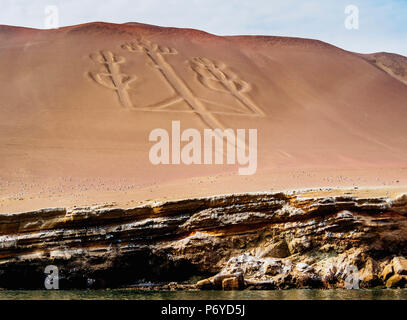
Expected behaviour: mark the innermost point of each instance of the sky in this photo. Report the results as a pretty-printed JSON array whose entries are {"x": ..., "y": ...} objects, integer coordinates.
[{"x": 382, "y": 25}]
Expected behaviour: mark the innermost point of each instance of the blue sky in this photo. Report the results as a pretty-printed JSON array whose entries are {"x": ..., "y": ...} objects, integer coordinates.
[{"x": 382, "y": 24}]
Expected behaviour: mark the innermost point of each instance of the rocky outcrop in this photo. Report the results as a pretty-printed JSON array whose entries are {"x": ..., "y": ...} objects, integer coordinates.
[
  {"x": 393, "y": 64},
  {"x": 257, "y": 241}
]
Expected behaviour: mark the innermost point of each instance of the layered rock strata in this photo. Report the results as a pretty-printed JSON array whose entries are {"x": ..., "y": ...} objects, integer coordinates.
[{"x": 255, "y": 241}]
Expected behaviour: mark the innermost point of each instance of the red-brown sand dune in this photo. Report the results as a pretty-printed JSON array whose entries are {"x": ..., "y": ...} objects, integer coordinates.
[{"x": 78, "y": 103}]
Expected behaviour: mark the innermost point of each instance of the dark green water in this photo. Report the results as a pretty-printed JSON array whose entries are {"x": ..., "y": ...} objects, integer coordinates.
[{"x": 383, "y": 294}]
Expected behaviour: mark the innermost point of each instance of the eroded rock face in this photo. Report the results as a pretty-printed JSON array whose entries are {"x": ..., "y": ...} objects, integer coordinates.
[{"x": 267, "y": 240}]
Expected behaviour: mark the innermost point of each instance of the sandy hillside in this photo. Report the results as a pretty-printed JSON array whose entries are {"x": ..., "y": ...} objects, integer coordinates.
[{"x": 78, "y": 103}]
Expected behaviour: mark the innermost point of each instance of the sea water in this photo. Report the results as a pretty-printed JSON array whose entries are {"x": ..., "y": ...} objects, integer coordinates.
[{"x": 300, "y": 294}]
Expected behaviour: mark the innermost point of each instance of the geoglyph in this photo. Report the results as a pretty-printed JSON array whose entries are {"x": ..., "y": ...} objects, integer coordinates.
[{"x": 209, "y": 73}]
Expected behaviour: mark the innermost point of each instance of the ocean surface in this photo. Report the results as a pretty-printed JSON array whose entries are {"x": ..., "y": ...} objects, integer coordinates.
[{"x": 303, "y": 294}]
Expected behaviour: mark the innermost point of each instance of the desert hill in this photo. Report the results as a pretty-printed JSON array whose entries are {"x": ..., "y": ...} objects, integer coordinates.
[{"x": 78, "y": 103}]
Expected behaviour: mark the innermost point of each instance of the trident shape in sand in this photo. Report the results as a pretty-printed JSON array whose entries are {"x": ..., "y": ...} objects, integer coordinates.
[
  {"x": 209, "y": 73},
  {"x": 213, "y": 76},
  {"x": 155, "y": 54},
  {"x": 112, "y": 77}
]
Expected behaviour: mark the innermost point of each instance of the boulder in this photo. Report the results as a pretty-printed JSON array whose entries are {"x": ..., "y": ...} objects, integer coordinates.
[
  {"x": 276, "y": 250},
  {"x": 371, "y": 280},
  {"x": 368, "y": 274},
  {"x": 400, "y": 204},
  {"x": 218, "y": 279},
  {"x": 400, "y": 265},
  {"x": 396, "y": 281},
  {"x": 272, "y": 269},
  {"x": 386, "y": 273},
  {"x": 232, "y": 283},
  {"x": 205, "y": 284}
]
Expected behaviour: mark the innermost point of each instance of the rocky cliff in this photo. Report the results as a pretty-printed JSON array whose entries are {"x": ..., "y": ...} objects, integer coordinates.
[{"x": 257, "y": 241}]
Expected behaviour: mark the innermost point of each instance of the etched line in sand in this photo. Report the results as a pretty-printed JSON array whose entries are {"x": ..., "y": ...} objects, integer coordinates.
[
  {"x": 228, "y": 109},
  {"x": 166, "y": 103},
  {"x": 112, "y": 77},
  {"x": 155, "y": 55},
  {"x": 213, "y": 76}
]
